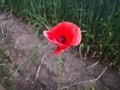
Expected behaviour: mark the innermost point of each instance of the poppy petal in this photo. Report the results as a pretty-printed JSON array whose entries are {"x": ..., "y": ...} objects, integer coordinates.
[
  {"x": 58, "y": 50},
  {"x": 51, "y": 39},
  {"x": 78, "y": 37}
]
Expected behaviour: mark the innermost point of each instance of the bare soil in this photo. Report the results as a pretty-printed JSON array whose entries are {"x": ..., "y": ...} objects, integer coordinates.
[{"x": 30, "y": 64}]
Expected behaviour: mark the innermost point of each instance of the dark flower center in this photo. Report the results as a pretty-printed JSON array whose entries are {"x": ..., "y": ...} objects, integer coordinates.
[{"x": 62, "y": 39}]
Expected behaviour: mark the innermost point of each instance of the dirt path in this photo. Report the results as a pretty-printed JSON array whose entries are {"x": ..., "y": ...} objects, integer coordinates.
[{"x": 34, "y": 67}]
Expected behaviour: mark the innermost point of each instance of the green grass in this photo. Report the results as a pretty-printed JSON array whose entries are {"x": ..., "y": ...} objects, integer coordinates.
[{"x": 99, "y": 21}]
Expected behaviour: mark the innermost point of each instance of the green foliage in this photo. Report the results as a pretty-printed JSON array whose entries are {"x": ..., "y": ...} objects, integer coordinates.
[
  {"x": 98, "y": 19},
  {"x": 89, "y": 86}
]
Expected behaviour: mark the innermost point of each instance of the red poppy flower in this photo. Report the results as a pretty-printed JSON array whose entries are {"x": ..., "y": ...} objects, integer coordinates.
[{"x": 64, "y": 35}]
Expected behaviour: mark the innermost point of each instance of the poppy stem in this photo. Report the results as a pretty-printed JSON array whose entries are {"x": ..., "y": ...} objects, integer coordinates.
[{"x": 59, "y": 71}]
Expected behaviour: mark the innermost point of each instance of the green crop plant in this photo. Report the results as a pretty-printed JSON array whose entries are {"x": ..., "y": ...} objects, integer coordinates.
[{"x": 99, "y": 21}]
